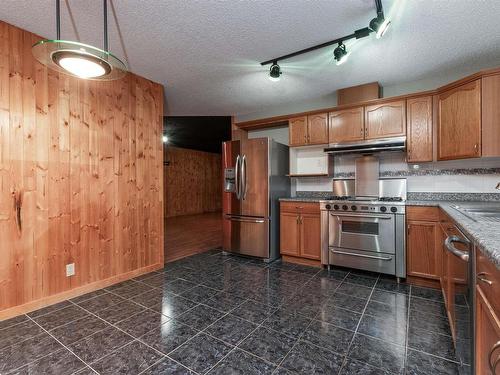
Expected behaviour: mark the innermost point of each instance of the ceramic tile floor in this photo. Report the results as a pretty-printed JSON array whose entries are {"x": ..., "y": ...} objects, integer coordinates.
[{"x": 218, "y": 314}]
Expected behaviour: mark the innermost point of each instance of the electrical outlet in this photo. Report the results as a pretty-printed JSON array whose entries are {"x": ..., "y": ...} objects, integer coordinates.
[{"x": 70, "y": 269}]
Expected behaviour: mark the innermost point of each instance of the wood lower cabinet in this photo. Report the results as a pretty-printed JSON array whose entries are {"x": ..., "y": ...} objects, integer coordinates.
[
  {"x": 297, "y": 131},
  {"x": 423, "y": 245},
  {"x": 347, "y": 125},
  {"x": 385, "y": 120},
  {"x": 289, "y": 233},
  {"x": 310, "y": 236},
  {"x": 317, "y": 129},
  {"x": 423, "y": 255},
  {"x": 487, "y": 361},
  {"x": 300, "y": 230},
  {"x": 459, "y": 127},
  {"x": 419, "y": 125}
]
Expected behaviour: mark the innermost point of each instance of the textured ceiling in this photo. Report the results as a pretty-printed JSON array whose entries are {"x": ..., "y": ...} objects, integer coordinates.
[{"x": 207, "y": 53}]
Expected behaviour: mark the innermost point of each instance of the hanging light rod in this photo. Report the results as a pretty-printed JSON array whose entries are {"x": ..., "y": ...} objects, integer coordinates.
[{"x": 379, "y": 25}]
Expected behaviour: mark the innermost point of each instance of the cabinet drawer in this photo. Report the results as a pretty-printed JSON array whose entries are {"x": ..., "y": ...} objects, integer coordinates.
[
  {"x": 298, "y": 206},
  {"x": 422, "y": 213},
  {"x": 490, "y": 274}
]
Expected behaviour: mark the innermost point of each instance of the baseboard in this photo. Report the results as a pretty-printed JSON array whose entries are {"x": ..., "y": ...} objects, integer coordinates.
[
  {"x": 59, "y": 297},
  {"x": 302, "y": 261}
]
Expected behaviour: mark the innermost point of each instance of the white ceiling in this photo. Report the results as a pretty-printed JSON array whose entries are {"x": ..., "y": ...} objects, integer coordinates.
[{"x": 207, "y": 53}]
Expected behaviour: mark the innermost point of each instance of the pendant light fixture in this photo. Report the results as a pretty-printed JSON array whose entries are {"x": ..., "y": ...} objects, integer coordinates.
[{"x": 78, "y": 59}]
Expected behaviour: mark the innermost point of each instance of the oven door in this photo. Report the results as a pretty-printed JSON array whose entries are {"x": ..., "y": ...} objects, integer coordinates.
[{"x": 368, "y": 232}]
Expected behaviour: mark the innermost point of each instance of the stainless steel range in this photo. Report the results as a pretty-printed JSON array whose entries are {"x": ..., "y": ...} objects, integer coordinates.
[{"x": 365, "y": 232}]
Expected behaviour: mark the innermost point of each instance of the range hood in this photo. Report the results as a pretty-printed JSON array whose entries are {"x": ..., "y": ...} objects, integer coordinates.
[{"x": 368, "y": 146}]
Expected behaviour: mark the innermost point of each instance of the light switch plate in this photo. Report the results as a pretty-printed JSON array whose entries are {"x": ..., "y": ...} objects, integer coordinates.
[{"x": 70, "y": 269}]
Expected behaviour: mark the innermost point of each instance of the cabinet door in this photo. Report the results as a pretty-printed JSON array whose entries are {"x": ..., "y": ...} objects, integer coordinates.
[
  {"x": 487, "y": 335},
  {"x": 385, "y": 120},
  {"x": 347, "y": 125},
  {"x": 317, "y": 126},
  {"x": 459, "y": 129},
  {"x": 289, "y": 233},
  {"x": 423, "y": 250},
  {"x": 297, "y": 131},
  {"x": 310, "y": 236},
  {"x": 419, "y": 129}
]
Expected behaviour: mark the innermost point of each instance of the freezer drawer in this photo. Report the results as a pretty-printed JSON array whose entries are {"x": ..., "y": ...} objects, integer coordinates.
[{"x": 246, "y": 235}]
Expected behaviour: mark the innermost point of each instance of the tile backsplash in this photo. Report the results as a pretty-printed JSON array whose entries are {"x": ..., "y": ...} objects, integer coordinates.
[{"x": 457, "y": 176}]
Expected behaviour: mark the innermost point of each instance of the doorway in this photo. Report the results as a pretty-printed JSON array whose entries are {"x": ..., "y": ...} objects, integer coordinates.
[{"x": 193, "y": 184}]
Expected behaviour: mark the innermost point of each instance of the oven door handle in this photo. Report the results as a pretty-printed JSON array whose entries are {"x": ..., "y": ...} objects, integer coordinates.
[
  {"x": 360, "y": 255},
  {"x": 452, "y": 249},
  {"x": 385, "y": 217}
]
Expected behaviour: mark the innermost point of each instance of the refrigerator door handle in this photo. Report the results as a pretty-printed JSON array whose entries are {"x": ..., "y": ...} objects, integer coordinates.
[
  {"x": 245, "y": 219},
  {"x": 244, "y": 177},
  {"x": 236, "y": 177}
]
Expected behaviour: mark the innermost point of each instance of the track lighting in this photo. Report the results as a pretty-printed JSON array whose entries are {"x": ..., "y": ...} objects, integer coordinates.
[
  {"x": 164, "y": 138},
  {"x": 380, "y": 25},
  {"x": 340, "y": 54},
  {"x": 275, "y": 72}
]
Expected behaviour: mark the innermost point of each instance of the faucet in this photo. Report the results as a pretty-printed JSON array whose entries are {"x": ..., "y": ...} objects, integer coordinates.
[{"x": 498, "y": 186}]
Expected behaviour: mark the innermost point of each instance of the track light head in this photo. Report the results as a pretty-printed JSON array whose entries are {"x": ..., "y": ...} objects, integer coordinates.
[
  {"x": 340, "y": 54},
  {"x": 275, "y": 72},
  {"x": 380, "y": 25}
]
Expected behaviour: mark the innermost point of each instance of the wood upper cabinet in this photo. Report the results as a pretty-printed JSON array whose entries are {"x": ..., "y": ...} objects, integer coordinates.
[
  {"x": 289, "y": 233},
  {"x": 317, "y": 129},
  {"x": 347, "y": 125},
  {"x": 300, "y": 230},
  {"x": 385, "y": 120},
  {"x": 308, "y": 130},
  {"x": 423, "y": 247},
  {"x": 419, "y": 129},
  {"x": 459, "y": 127},
  {"x": 490, "y": 111},
  {"x": 310, "y": 236},
  {"x": 297, "y": 130}
]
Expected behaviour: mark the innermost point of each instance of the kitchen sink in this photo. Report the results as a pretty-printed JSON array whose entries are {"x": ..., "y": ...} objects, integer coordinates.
[{"x": 480, "y": 213}]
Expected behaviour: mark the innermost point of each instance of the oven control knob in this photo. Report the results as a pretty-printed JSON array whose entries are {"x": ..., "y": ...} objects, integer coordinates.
[
  {"x": 328, "y": 207},
  {"x": 344, "y": 207},
  {"x": 354, "y": 208},
  {"x": 383, "y": 209},
  {"x": 394, "y": 209},
  {"x": 335, "y": 206}
]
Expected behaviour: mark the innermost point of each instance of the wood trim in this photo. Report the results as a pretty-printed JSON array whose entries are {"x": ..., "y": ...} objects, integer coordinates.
[
  {"x": 302, "y": 261},
  {"x": 425, "y": 282},
  {"x": 50, "y": 300},
  {"x": 281, "y": 120}
]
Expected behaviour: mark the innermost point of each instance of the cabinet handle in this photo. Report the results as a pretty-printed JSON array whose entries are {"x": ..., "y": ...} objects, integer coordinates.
[
  {"x": 297, "y": 220},
  {"x": 299, "y": 207},
  {"x": 481, "y": 277},
  {"x": 490, "y": 355},
  {"x": 476, "y": 148}
]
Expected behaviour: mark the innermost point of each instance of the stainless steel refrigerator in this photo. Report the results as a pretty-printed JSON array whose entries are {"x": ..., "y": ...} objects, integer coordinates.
[{"x": 255, "y": 176}]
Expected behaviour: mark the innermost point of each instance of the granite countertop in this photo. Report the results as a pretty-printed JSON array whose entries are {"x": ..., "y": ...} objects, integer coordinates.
[{"x": 485, "y": 235}]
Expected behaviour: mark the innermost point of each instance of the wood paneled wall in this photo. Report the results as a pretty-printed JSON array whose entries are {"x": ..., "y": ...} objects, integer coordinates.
[
  {"x": 80, "y": 177},
  {"x": 193, "y": 182}
]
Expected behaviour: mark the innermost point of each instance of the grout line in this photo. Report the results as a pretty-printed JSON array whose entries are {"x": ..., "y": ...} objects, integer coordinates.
[
  {"x": 64, "y": 346},
  {"x": 407, "y": 327},
  {"x": 357, "y": 326}
]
